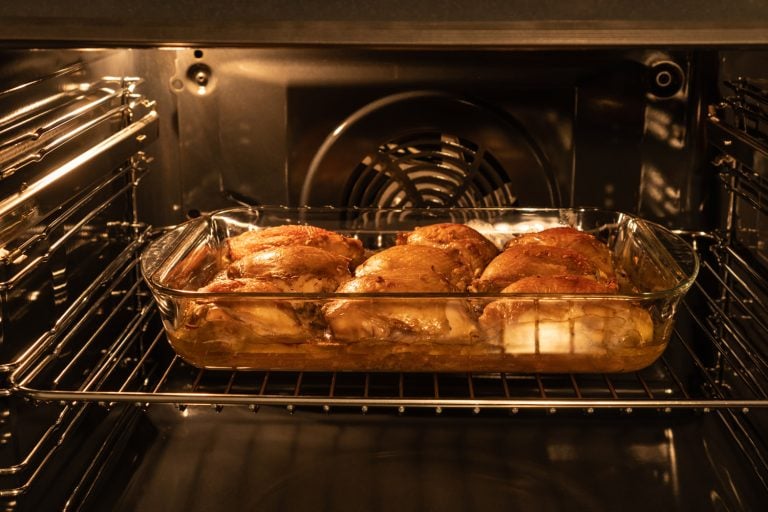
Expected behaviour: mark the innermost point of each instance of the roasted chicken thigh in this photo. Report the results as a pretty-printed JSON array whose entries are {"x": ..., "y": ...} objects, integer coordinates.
[
  {"x": 460, "y": 241},
  {"x": 405, "y": 320},
  {"x": 557, "y": 326},
  {"x": 294, "y": 268},
  {"x": 570, "y": 238},
  {"x": 418, "y": 260},
  {"x": 295, "y": 235},
  {"x": 525, "y": 260}
]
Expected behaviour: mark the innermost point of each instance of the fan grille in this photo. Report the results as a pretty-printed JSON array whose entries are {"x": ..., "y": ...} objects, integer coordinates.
[{"x": 429, "y": 170}]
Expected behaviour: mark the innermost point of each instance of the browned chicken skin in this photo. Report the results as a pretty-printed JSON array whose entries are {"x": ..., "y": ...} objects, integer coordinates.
[
  {"x": 521, "y": 261},
  {"x": 463, "y": 242},
  {"x": 295, "y": 235},
  {"x": 296, "y": 268},
  {"x": 565, "y": 284},
  {"x": 397, "y": 281},
  {"x": 415, "y": 320},
  {"x": 583, "y": 243},
  {"x": 417, "y": 260},
  {"x": 269, "y": 269},
  {"x": 233, "y": 318},
  {"x": 565, "y": 326},
  {"x": 405, "y": 269}
]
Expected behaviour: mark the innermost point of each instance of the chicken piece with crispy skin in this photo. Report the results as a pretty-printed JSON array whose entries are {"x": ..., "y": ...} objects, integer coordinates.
[
  {"x": 417, "y": 260},
  {"x": 404, "y": 320},
  {"x": 564, "y": 284},
  {"x": 463, "y": 242},
  {"x": 578, "y": 241},
  {"x": 561, "y": 326},
  {"x": 295, "y": 235},
  {"x": 294, "y": 268},
  {"x": 194, "y": 269},
  {"x": 525, "y": 260},
  {"x": 233, "y": 320}
]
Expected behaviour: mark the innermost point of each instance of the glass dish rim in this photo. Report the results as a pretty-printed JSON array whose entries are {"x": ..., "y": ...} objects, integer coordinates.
[{"x": 680, "y": 288}]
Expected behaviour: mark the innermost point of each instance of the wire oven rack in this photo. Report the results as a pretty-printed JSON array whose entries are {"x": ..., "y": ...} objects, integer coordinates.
[
  {"x": 70, "y": 161},
  {"x": 137, "y": 365}
]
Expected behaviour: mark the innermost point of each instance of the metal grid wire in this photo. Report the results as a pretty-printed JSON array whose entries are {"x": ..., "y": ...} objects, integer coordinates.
[
  {"x": 137, "y": 365},
  {"x": 41, "y": 235}
]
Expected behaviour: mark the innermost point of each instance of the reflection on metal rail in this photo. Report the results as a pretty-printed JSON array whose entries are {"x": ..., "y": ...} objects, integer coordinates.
[
  {"x": 130, "y": 135},
  {"x": 747, "y": 443},
  {"x": 738, "y": 317},
  {"x": 77, "y": 313},
  {"x": 38, "y": 458},
  {"x": 70, "y": 112},
  {"x": 72, "y": 229},
  {"x": 741, "y": 360},
  {"x": 32, "y": 463}
]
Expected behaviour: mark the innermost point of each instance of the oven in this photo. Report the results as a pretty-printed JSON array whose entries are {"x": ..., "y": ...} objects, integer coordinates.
[{"x": 118, "y": 123}]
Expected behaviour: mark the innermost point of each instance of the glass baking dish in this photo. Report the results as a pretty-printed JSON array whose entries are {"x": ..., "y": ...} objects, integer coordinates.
[{"x": 533, "y": 333}]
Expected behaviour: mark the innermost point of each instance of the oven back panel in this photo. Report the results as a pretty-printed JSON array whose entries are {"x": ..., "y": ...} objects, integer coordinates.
[{"x": 614, "y": 129}]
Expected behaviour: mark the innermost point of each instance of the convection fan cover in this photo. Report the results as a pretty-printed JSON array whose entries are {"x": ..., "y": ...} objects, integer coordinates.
[{"x": 430, "y": 149}]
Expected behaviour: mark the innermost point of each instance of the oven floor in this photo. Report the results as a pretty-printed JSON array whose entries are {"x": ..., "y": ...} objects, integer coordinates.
[{"x": 238, "y": 460}]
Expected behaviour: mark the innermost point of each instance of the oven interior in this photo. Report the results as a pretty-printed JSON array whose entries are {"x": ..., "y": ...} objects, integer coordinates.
[{"x": 103, "y": 150}]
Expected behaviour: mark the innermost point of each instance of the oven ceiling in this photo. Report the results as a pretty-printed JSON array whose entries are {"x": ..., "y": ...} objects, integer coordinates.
[{"x": 523, "y": 23}]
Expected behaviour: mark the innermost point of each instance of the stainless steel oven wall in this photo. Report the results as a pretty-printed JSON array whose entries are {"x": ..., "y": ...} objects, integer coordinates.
[{"x": 616, "y": 129}]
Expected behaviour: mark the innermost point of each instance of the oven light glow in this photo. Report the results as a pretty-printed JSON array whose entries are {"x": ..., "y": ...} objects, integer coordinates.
[
  {"x": 561, "y": 452},
  {"x": 649, "y": 453},
  {"x": 672, "y": 448},
  {"x": 339, "y": 129}
]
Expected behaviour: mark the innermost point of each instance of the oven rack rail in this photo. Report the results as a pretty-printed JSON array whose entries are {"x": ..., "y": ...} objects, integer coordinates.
[
  {"x": 68, "y": 159},
  {"x": 298, "y": 389},
  {"x": 138, "y": 366},
  {"x": 749, "y": 101},
  {"x": 738, "y": 129},
  {"x": 115, "y": 287}
]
